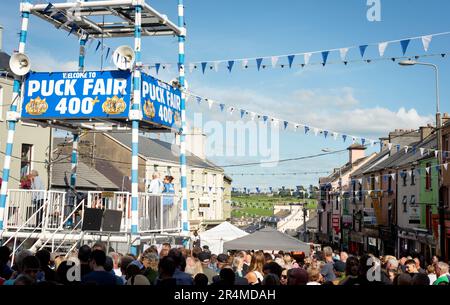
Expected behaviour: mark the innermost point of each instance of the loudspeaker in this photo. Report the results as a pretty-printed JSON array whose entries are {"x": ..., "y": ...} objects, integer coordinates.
[
  {"x": 92, "y": 219},
  {"x": 123, "y": 57},
  {"x": 19, "y": 64},
  {"x": 111, "y": 221}
]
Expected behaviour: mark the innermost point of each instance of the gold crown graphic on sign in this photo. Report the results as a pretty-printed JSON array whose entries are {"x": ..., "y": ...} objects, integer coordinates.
[
  {"x": 114, "y": 105},
  {"x": 177, "y": 118},
  {"x": 149, "y": 109},
  {"x": 36, "y": 106}
]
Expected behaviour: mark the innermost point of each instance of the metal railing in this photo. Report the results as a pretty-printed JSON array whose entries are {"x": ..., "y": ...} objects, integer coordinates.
[
  {"x": 158, "y": 213},
  {"x": 23, "y": 206},
  {"x": 118, "y": 201}
]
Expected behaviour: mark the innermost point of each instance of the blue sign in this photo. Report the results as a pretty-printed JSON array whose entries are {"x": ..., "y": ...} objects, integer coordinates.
[
  {"x": 77, "y": 95},
  {"x": 161, "y": 103}
]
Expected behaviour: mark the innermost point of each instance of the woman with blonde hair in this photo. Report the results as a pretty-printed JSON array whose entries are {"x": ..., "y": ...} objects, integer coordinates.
[
  {"x": 238, "y": 265},
  {"x": 255, "y": 271}
]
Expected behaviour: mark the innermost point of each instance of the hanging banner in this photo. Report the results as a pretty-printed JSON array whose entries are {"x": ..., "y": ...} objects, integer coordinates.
[
  {"x": 161, "y": 103},
  {"x": 76, "y": 95}
]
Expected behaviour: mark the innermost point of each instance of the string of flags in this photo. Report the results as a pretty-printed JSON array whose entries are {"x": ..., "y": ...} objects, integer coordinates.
[
  {"x": 290, "y": 60},
  {"x": 279, "y": 174},
  {"x": 52, "y": 11},
  {"x": 405, "y": 173},
  {"x": 308, "y": 129}
]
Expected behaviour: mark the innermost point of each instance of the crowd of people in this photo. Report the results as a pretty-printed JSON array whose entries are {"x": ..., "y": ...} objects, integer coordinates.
[{"x": 173, "y": 266}]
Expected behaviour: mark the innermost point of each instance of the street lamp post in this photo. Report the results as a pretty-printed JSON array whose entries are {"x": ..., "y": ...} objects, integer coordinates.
[{"x": 439, "y": 147}]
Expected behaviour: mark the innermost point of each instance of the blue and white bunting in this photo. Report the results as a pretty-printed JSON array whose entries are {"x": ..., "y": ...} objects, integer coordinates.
[
  {"x": 404, "y": 44},
  {"x": 291, "y": 60},
  {"x": 382, "y": 48},
  {"x": 325, "y": 57},
  {"x": 230, "y": 65},
  {"x": 362, "y": 50},
  {"x": 258, "y": 63}
]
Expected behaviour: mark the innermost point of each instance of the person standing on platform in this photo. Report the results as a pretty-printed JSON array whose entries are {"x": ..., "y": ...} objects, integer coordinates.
[
  {"x": 156, "y": 186},
  {"x": 37, "y": 196}
]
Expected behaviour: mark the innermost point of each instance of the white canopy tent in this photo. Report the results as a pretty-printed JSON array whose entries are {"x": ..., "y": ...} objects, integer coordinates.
[{"x": 215, "y": 237}]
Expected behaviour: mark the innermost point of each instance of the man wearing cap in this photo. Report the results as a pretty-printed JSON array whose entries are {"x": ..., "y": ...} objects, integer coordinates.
[{"x": 205, "y": 258}]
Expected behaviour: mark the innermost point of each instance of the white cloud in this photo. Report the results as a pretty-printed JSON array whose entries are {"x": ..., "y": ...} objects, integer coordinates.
[
  {"x": 46, "y": 63},
  {"x": 331, "y": 109}
]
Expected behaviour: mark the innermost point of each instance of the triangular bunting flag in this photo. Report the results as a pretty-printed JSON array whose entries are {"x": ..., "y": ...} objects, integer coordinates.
[
  {"x": 306, "y": 58},
  {"x": 265, "y": 117},
  {"x": 231, "y": 110},
  {"x": 216, "y": 66},
  {"x": 191, "y": 67},
  {"x": 242, "y": 113},
  {"x": 363, "y": 141},
  {"x": 47, "y": 8},
  {"x": 286, "y": 123},
  {"x": 157, "y": 66},
  {"x": 405, "y": 44},
  {"x": 426, "y": 40},
  {"x": 436, "y": 153},
  {"x": 344, "y": 137},
  {"x": 393, "y": 176},
  {"x": 222, "y": 106},
  {"x": 199, "y": 99},
  {"x": 230, "y": 65},
  {"x": 98, "y": 46},
  {"x": 362, "y": 50},
  {"x": 335, "y": 135},
  {"x": 398, "y": 147},
  {"x": 210, "y": 103},
  {"x": 406, "y": 149},
  {"x": 445, "y": 166},
  {"x": 244, "y": 63},
  {"x": 382, "y": 48},
  {"x": 325, "y": 57},
  {"x": 422, "y": 150},
  {"x": 325, "y": 133},
  {"x": 204, "y": 64},
  {"x": 274, "y": 61},
  {"x": 258, "y": 63},
  {"x": 427, "y": 170},
  {"x": 316, "y": 131},
  {"x": 343, "y": 52},
  {"x": 291, "y": 60},
  {"x": 353, "y": 140},
  {"x": 306, "y": 129}
]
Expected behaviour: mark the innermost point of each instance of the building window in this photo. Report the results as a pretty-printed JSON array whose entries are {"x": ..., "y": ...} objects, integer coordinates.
[
  {"x": 413, "y": 176},
  {"x": 360, "y": 193},
  {"x": 390, "y": 182},
  {"x": 155, "y": 168},
  {"x": 405, "y": 204},
  {"x": 428, "y": 177},
  {"x": 372, "y": 182},
  {"x": 404, "y": 176},
  {"x": 26, "y": 157}
]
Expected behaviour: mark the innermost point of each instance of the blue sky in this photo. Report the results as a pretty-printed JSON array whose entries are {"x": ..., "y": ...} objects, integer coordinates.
[{"x": 361, "y": 99}]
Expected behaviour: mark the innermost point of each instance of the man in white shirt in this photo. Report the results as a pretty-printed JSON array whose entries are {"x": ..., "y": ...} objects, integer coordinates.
[{"x": 156, "y": 185}]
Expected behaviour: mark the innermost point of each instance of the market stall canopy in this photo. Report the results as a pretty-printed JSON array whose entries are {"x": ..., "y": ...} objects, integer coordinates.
[
  {"x": 267, "y": 239},
  {"x": 216, "y": 237}
]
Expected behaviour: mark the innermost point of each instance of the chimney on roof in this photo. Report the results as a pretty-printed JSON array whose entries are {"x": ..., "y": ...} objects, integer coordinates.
[
  {"x": 355, "y": 152},
  {"x": 425, "y": 131},
  {"x": 445, "y": 118}
]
